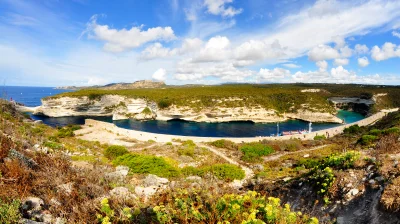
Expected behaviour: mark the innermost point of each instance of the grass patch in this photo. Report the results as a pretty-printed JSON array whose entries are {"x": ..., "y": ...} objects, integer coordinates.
[
  {"x": 253, "y": 152},
  {"x": 146, "y": 164}
]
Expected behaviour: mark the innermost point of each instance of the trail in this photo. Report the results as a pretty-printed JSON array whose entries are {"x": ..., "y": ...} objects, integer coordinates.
[
  {"x": 277, "y": 156},
  {"x": 248, "y": 172}
]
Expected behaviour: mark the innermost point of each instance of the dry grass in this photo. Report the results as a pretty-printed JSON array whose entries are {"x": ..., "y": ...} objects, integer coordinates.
[{"x": 391, "y": 196}]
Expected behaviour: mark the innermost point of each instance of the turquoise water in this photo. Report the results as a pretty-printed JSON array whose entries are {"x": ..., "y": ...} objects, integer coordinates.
[{"x": 31, "y": 96}]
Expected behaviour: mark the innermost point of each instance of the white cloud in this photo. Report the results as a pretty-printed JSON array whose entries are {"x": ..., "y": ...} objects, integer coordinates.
[
  {"x": 254, "y": 50},
  {"x": 342, "y": 75},
  {"x": 322, "y": 65},
  {"x": 190, "y": 45},
  {"x": 396, "y": 34},
  {"x": 217, "y": 7},
  {"x": 361, "y": 49},
  {"x": 324, "y": 8},
  {"x": 122, "y": 40},
  {"x": 363, "y": 62},
  {"x": 339, "y": 42},
  {"x": 290, "y": 65},
  {"x": 341, "y": 61},
  {"x": 160, "y": 75},
  {"x": 272, "y": 75},
  {"x": 156, "y": 50},
  {"x": 216, "y": 49},
  {"x": 388, "y": 50},
  {"x": 97, "y": 81},
  {"x": 187, "y": 70},
  {"x": 322, "y": 52},
  {"x": 346, "y": 52},
  {"x": 21, "y": 20}
]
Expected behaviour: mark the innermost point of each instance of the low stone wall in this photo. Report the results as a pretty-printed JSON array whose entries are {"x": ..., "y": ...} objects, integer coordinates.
[{"x": 145, "y": 136}]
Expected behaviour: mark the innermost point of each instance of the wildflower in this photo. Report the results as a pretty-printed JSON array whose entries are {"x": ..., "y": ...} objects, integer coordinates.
[{"x": 236, "y": 207}]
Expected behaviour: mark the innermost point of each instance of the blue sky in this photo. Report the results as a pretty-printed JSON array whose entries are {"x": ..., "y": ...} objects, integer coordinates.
[{"x": 94, "y": 42}]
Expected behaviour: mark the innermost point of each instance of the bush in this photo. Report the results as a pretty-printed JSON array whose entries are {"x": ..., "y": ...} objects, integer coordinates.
[
  {"x": 308, "y": 163},
  {"x": 225, "y": 144},
  {"x": 322, "y": 180},
  {"x": 64, "y": 133},
  {"x": 146, "y": 164},
  {"x": 146, "y": 111},
  {"x": 252, "y": 152},
  {"x": 375, "y": 132},
  {"x": 319, "y": 137},
  {"x": 354, "y": 129},
  {"x": 367, "y": 139},
  {"x": 115, "y": 151},
  {"x": 53, "y": 145},
  {"x": 227, "y": 172},
  {"x": 164, "y": 103},
  {"x": 200, "y": 206},
  {"x": 187, "y": 148},
  {"x": 9, "y": 212},
  {"x": 393, "y": 130}
]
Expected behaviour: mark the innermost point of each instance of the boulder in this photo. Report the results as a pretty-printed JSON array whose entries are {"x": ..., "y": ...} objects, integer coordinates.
[
  {"x": 194, "y": 178},
  {"x": 153, "y": 180},
  {"x": 122, "y": 193}
]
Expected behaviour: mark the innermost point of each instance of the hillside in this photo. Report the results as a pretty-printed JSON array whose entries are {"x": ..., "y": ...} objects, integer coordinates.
[{"x": 54, "y": 175}]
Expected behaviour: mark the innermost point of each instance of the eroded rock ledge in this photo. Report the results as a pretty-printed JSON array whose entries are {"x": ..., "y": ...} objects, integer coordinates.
[{"x": 120, "y": 108}]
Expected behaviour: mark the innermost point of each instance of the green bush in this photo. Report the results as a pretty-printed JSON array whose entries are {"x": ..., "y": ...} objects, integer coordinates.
[
  {"x": 252, "y": 152},
  {"x": 319, "y": 137},
  {"x": 393, "y": 130},
  {"x": 53, "y": 145},
  {"x": 115, "y": 151},
  {"x": 9, "y": 212},
  {"x": 164, "y": 103},
  {"x": 225, "y": 144},
  {"x": 187, "y": 148},
  {"x": 354, "y": 129},
  {"x": 308, "y": 163},
  {"x": 367, "y": 139},
  {"x": 147, "y": 164},
  {"x": 375, "y": 132},
  {"x": 226, "y": 172},
  {"x": 146, "y": 111},
  {"x": 322, "y": 180}
]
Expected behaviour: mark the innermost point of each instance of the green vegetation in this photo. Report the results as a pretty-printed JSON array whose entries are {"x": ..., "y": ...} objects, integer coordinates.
[
  {"x": 67, "y": 131},
  {"x": 319, "y": 137},
  {"x": 53, "y": 145},
  {"x": 367, "y": 139},
  {"x": 9, "y": 212},
  {"x": 146, "y": 164},
  {"x": 187, "y": 149},
  {"x": 203, "y": 207},
  {"x": 354, "y": 129},
  {"x": 147, "y": 111},
  {"x": 322, "y": 180},
  {"x": 226, "y": 172},
  {"x": 115, "y": 151},
  {"x": 225, "y": 144},
  {"x": 252, "y": 152}
]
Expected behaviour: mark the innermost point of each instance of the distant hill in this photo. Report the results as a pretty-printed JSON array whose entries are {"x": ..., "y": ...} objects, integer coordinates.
[{"x": 142, "y": 84}]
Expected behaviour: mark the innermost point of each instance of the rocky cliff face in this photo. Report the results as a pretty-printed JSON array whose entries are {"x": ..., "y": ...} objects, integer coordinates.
[
  {"x": 120, "y": 108},
  {"x": 362, "y": 106}
]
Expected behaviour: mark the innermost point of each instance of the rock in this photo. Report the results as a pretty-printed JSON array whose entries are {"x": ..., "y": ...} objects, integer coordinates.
[
  {"x": 27, "y": 221},
  {"x": 395, "y": 163},
  {"x": 32, "y": 203},
  {"x": 38, "y": 122},
  {"x": 372, "y": 182},
  {"x": 370, "y": 167},
  {"x": 286, "y": 179},
  {"x": 194, "y": 178},
  {"x": 236, "y": 184},
  {"x": 379, "y": 179},
  {"x": 340, "y": 220},
  {"x": 306, "y": 155},
  {"x": 258, "y": 167},
  {"x": 353, "y": 192},
  {"x": 120, "y": 173},
  {"x": 349, "y": 185},
  {"x": 66, "y": 188},
  {"x": 60, "y": 220},
  {"x": 37, "y": 146},
  {"x": 145, "y": 191},
  {"x": 47, "y": 218},
  {"x": 122, "y": 193},
  {"x": 287, "y": 165},
  {"x": 55, "y": 202},
  {"x": 153, "y": 180}
]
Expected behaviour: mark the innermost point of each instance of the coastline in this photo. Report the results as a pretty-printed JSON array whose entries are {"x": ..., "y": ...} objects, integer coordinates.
[{"x": 93, "y": 125}]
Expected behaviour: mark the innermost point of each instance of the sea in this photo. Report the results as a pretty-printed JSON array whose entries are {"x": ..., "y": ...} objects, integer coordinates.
[{"x": 31, "y": 96}]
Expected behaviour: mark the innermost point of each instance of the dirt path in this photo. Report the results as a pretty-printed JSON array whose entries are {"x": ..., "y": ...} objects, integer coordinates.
[
  {"x": 277, "y": 156},
  {"x": 248, "y": 172}
]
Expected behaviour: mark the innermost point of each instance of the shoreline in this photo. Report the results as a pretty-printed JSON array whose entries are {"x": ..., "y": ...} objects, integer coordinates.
[{"x": 92, "y": 125}]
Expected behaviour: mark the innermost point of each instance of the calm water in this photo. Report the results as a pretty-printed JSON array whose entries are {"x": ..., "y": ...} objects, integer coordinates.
[{"x": 31, "y": 97}]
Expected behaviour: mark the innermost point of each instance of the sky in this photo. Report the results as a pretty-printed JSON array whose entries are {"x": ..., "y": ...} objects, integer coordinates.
[{"x": 96, "y": 42}]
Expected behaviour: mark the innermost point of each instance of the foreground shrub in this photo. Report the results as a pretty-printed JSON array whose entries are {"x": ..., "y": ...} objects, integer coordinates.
[
  {"x": 252, "y": 152},
  {"x": 394, "y": 130},
  {"x": 354, "y": 129},
  {"x": 147, "y": 164},
  {"x": 367, "y": 139},
  {"x": 200, "y": 206},
  {"x": 319, "y": 137},
  {"x": 115, "y": 151},
  {"x": 9, "y": 212},
  {"x": 226, "y": 172},
  {"x": 391, "y": 196},
  {"x": 226, "y": 144}
]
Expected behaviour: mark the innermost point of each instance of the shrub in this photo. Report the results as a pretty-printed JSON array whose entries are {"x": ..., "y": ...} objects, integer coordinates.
[
  {"x": 227, "y": 172},
  {"x": 147, "y": 164},
  {"x": 322, "y": 180},
  {"x": 354, "y": 129},
  {"x": 164, "y": 103},
  {"x": 367, "y": 139},
  {"x": 226, "y": 144},
  {"x": 199, "y": 206},
  {"x": 53, "y": 145},
  {"x": 375, "y": 132},
  {"x": 319, "y": 137},
  {"x": 115, "y": 151},
  {"x": 393, "y": 130},
  {"x": 343, "y": 161},
  {"x": 67, "y": 131},
  {"x": 253, "y": 151},
  {"x": 9, "y": 212},
  {"x": 146, "y": 111},
  {"x": 187, "y": 148},
  {"x": 308, "y": 163}
]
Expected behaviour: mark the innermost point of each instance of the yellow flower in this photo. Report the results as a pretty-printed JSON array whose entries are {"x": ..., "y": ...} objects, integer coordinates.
[
  {"x": 104, "y": 201},
  {"x": 236, "y": 207}
]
